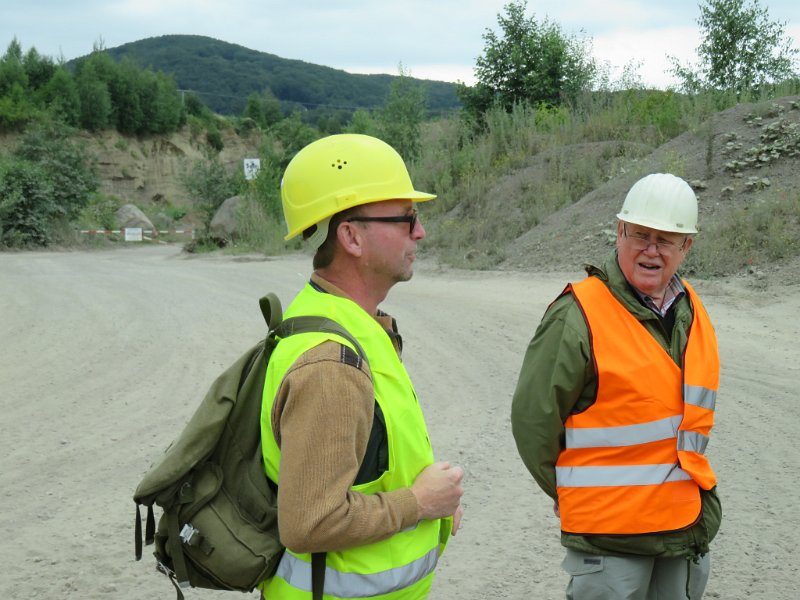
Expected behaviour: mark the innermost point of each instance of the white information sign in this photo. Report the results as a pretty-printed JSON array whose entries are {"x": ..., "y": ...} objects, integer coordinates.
[
  {"x": 133, "y": 234},
  {"x": 251, "y": 167}
]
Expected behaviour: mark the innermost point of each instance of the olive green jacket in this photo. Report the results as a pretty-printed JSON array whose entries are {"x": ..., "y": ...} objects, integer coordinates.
[{"x": 558, "y": 377}]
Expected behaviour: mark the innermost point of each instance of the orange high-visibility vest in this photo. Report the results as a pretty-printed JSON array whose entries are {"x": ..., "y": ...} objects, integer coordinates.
[{"x": 634, "y": 460}]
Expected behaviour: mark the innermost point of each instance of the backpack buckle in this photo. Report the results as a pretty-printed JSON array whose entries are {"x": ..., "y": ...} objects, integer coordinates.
[{"x": 187, "y": 534}]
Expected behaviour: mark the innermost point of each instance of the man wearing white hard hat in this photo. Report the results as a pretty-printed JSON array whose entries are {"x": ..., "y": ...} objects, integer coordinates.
[{"x": 614, "y": 407}]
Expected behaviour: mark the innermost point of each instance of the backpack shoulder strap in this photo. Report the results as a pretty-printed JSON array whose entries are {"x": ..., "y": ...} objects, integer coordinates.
[
  {"x": 271, "y": 310},
  {"x": 278, "y": 328},
  {"x": 309, "y": 323}
]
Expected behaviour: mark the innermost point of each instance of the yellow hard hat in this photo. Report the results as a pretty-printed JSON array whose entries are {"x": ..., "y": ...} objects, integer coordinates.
[
  {"x": 661, "y": 201},
  {"x": 338, "y": 172}
]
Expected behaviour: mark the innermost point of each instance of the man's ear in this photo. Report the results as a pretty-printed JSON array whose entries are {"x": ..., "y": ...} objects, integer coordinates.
[
  {"x": 620, "y": 232},
  {"x": 350, "y": 238}
]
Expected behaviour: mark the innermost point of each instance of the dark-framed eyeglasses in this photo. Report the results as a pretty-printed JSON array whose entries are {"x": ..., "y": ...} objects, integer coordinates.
[
  {"x": 410, "y": 218},
  {"x": 640, "y": 241}
]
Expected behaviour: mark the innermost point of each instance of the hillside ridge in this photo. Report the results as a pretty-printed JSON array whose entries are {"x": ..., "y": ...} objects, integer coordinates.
[{"x": 223, "y": 75}]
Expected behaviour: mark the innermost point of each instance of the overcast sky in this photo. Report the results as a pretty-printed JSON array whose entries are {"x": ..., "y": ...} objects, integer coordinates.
[{"x": 433, "y": 40}]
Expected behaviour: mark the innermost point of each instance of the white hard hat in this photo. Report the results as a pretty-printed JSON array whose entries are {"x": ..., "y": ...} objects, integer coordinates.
[{"x": 661, "y": 201}]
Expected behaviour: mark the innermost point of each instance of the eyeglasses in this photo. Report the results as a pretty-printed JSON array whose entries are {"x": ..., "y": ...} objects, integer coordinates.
[
  {"x": 410, "y": 218},
  {"x": 642, "y": 241}
]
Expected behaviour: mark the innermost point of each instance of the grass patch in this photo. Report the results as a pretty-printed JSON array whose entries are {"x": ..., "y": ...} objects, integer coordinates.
[
  {"x": 100, "y": 212},
  {"x": 764, "y": 231},
  {"x": 260, "y": 232}
]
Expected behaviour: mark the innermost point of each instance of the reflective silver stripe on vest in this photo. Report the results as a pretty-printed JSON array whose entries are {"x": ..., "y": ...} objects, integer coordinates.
[
  {"x": 700, "y": 396},
  {"x": 297, "y": 573},
  {"x": 411, "y": 527},
  {"x": 619, "y": 476},
  {"x": 624, "y": 435},
  {"x": 692, "y": 441}
]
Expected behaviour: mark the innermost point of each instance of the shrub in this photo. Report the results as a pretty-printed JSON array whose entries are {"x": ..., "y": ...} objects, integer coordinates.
[
  {"x": 764, "y": 231},
  {"x": 100, "y": 212},
  {"x": 209, "y": 184},
  {"x": 27, "y": 207},
  {"x": 48, "y": 180}
]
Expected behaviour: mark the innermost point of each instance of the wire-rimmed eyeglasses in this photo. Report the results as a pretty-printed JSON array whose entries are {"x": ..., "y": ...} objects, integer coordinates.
[{"x": 642, "y": 241}]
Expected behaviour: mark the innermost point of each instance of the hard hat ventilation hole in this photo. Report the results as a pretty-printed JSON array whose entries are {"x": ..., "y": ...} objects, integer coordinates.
[{"x": 339, "y": 164}]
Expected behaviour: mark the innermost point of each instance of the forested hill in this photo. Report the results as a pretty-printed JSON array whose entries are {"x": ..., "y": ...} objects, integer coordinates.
[{"x": 223, "y": 75}]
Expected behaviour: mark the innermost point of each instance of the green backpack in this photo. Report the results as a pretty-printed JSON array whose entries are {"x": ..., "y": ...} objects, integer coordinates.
[{"x": 219, "y": 527}]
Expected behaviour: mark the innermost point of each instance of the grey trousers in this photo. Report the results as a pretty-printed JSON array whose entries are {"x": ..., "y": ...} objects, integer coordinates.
[{"x": 595, "y": 577}]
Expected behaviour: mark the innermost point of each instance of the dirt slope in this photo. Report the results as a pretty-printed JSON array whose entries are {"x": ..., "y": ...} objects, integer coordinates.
[
  {"x": 749, "y": 141},
  {"x": 145, "y": 171}
]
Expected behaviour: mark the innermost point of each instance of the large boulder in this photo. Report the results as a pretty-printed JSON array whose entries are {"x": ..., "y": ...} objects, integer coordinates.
[
  {"x": 130, "y": 216},
  {"x": 223, "y": 226},
  {"x": 163, "y": 221}
]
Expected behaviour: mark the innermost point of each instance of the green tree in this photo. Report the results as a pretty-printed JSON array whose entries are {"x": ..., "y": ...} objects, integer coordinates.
[
  {"x": 16, "y": 109},
  {"x": 253, "y": 109},
  {"x": 362, "y": 122},
  {"x": 60, "y": 95},
  {"x": 267, "y": 184},
  {"x": 124, "y": 86},
  {"x": 103, "y": 64},
  {"x": 214, "y": 137},
  {"x": 46, "y": 181},
  {"x": 161, "y": 103},
  {"x": 209, "y": 184},
  {"x": 38, "y": 69},
  {"x": 329, "y": 122},
  {"x": 264, "y": 109},
  {"x": 741, "y": 50},
  {"x": 12, "y": 71},
  {"x": 400, "y": 117},
  {"x": 65, "y": 162},
  {"x": 16, "y": 106},
  {"x": 528, "y": 62},
  {"x": 95, "y": 100},
  {"x": 194, "y": 106},
  {"x": 293, "y": 135},
  {"x": 26, "y": 204}
]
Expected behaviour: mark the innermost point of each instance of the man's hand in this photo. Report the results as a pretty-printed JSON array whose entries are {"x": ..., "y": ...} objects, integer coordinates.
[{"x": 438, "y": 490}]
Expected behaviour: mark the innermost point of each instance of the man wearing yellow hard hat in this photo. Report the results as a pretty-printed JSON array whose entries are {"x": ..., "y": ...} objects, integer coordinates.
[
  {"x": 614, "y": 407},
  {"x": 342, "y": 432}
]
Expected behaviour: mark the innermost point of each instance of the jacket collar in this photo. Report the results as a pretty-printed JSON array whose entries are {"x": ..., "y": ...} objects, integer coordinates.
[
  {"x": 612, "y": 275},
  {"x": 386, "y": 321}
]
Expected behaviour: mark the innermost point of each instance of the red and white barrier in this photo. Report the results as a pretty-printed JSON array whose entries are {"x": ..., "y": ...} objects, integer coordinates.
[{"x": 137, "y": 230}]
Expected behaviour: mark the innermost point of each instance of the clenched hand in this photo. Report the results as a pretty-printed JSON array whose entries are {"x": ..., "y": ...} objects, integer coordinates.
[{"x": 438, "y": 490}]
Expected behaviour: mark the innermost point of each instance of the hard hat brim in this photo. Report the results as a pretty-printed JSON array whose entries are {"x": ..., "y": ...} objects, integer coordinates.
[{"x": 657, "y": 225}]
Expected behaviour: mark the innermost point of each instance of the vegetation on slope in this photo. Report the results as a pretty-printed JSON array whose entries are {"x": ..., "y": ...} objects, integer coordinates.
[{"x": 224, "y": 75}]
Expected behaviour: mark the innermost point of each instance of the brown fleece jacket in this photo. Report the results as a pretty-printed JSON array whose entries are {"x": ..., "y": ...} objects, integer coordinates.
[{"x": 321, "y": 419}]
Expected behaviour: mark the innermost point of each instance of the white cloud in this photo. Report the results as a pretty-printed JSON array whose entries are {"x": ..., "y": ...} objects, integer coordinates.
[
  {"x": 439, "y": 40},
  {"x": 650, "y": 48}
]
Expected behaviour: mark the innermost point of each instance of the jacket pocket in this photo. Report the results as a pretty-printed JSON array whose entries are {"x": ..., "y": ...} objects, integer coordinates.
[{"x": 712, "y": 512}]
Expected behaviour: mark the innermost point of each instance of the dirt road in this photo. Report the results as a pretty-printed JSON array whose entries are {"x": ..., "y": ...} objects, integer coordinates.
[{"x": 104, "y": 356}]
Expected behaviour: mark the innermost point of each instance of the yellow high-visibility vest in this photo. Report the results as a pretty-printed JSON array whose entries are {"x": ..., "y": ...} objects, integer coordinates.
[{"x": 400, "y": 567}]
